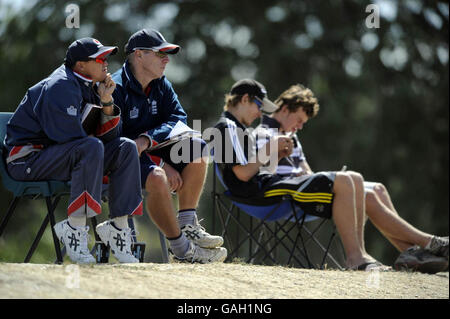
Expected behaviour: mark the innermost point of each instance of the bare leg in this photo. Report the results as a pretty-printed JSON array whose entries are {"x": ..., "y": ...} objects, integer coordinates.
[
  {"x": 383, "y": 196},
  {"x": 382, "y": 193},
  {"x": 384, "y": 216},
  {"x": 344, "y": 216},
  {"x": 193, "y": 175},
  {"x": 159, "y": 203},
  {"x": 358, "y": 181}
]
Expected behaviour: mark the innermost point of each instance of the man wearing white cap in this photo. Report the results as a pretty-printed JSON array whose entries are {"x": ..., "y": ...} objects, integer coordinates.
[
  {"x": 150, "y": 109},
  {"x": 46, "y": 140}
]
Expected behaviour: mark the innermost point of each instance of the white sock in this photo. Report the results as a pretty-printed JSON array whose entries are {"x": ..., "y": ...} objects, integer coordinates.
[
  {"x": 179, "y": 245},
  {"x": 121, "y": 222},
  {"x": 77, "y": 221},
  {"x": 187, "y": 216}
]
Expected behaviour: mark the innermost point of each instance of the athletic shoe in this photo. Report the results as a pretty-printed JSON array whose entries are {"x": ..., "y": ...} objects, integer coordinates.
[
  {"x": 419, "y": 259},
  {"x": 76, "y": 242},
  {"x": 438, "y": 246},
  {"x": 197, "y": 254},
  {"x": 119, "y": 240},
  {"x": 197, "y": 234}
]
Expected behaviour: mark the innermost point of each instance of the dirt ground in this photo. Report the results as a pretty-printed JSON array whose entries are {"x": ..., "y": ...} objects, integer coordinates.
[{"x": 229, "y": 281}]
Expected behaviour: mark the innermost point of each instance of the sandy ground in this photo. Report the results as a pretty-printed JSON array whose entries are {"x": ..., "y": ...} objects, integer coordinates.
[{"x": 212, "y": 281}]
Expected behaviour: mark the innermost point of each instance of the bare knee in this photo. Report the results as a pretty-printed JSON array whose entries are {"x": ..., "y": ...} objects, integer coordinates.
[
  {"x": 380, "y": 189},
  {"x": 371, "y": 198},
  {"x": 343, "y": 183},
  {"x": 356, "y": 177},
  {"x": 198, "y": 166},
  {"x": 156, "y": 180}
]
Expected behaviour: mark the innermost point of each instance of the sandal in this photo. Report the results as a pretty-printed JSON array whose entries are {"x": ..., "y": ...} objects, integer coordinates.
[{"x": 370, "y": 266}]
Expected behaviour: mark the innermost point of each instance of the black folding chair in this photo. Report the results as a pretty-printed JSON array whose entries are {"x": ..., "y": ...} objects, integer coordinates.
[{"x": 271, "y": 233}]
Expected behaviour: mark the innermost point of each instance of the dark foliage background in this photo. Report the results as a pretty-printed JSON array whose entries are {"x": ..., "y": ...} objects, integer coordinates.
[{"x": 383, "y": 91}]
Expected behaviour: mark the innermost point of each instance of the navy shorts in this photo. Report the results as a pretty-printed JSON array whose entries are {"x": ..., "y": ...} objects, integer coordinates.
[{"x": 177, "y": 155}]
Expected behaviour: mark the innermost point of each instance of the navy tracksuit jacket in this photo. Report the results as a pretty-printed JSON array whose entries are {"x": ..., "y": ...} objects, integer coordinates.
[
  {"x": 45, "y": 140},
  {"x": 152, "y": 113}
]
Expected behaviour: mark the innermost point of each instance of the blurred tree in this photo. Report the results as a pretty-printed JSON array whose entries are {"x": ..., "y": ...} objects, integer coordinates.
[{"x": 383, "y": 91}]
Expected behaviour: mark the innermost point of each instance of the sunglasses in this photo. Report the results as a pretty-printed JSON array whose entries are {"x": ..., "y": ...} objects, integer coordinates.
[
  {"x": 159, "y": 54},
  {"x": 258, "y": 102},
  {"x": 99, "y": 60}
]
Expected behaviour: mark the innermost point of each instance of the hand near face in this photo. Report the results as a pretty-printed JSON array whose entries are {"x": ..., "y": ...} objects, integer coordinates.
[
  {"x": 285, "y": 146},
  {"x": 106, "y": 88}
]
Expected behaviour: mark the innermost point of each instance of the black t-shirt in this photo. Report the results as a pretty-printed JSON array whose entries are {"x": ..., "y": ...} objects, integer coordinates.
[{"x": 237, "y": 146}]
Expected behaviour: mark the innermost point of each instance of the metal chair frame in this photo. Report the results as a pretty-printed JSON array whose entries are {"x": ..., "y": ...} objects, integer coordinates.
[{"x": 265, "y": 236}]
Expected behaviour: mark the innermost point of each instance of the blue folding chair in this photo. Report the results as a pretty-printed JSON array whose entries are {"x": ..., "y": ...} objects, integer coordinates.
[{"x": 269, "y": 233}]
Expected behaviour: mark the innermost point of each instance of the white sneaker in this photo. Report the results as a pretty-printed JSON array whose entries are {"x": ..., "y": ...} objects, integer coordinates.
[
  {"x": 197, "y": 254},
  {"x": 118, "y": 240},
  {"x": 76, "y": 242},
  {"x": 199, "y": 236}
]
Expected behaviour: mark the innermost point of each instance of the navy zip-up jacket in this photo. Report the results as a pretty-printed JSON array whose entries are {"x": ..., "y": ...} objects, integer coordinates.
[
  {"x": 154, "y": 115},
  {"x": 50, "y": 113}
]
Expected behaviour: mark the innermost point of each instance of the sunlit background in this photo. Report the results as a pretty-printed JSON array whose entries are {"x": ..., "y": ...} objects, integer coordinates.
[{"x": 383, "y": 91}]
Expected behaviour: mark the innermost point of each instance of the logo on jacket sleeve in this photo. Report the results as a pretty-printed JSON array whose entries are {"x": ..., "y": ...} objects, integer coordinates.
[{"x": 72, "y": 110}]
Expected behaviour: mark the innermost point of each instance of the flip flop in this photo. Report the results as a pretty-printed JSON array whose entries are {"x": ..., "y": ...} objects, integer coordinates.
[{"x": 373, "y": 265}]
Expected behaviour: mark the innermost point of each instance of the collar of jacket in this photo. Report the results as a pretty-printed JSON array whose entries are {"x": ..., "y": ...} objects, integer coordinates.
[
  {"x": 88, "y": 91},
  {"x": 131, "y": 81}
]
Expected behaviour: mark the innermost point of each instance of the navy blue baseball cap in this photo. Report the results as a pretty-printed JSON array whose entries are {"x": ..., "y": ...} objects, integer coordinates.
[
  {"x": 85, "y": 49},
  {"x": 254, "y": 88},
  {"x": 150, "y": 39}
]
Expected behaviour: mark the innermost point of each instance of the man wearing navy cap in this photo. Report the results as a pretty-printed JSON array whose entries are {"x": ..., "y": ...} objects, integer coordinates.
[
  {"x": 45, "y": 140},
  {"x": 150, "y": 109}
]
